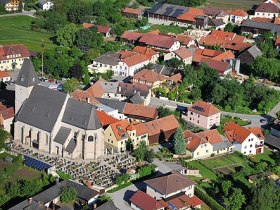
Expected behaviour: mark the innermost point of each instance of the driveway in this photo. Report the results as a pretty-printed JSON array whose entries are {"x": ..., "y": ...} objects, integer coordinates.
[{"x": 30, "y": 13}]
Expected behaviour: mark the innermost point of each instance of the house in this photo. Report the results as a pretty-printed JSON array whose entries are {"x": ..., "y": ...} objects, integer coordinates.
[
  {"x": 223, "y": 67},
  {"x": 203, "y": 114},
  {"x": 45, "y": 5},
  {"x": 149, "y": 78},
  {"x": 12, "y": 56},
  {"x": 162, "y": 129},
  {"x": 182, "y": 54},
  {"x": 248, "y": 141},
  {"x": 10, "y": 5},
  {"x": 50, "y": 198},
  {"x": 163, "y": 70},
  {"x": 104, "y": 118},
  {"x": 149, "y": 52},
  {"x": 50, "y": 121},
  {"x": 185, "y": 40},
  {"x": 131, "y": 37},
  {"x": 189, "y": 17},
  {"x": 226, "y": 40},
  {"x": 4, "y": 76},
  {"x": 273, "y": 142},
  {"x": 136, "y": 202},
  {"x": 133, "y": 13},
  {"x": 108, "y": 205},
  {"x": 117, "y": 135},
  {"x": 104, "y": 30},
  {"x": 275, "y": 129},
  {"x": 237, "y": 16},
  {"x": 267, "y": 9},
  {"x": 204, "y": 144},
  {"x": 123, "y": 63},
  {"x": 255, "y": 27},
  {"x": 249, "y": 55},
  {"x": 267, "y": 174},
  {"x": 6, "y": 117}
]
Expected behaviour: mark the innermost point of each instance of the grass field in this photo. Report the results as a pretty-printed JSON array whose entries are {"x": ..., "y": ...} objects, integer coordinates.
[
  {"x": 229, "y": 4},
  {"x": 164, "y": 29},
  {"x": 17, "y": 30},
  {"x": 205, "y": 172}
]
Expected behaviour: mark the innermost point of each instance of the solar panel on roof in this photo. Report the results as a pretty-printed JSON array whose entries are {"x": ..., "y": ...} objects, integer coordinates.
[
  {"x": 36, "y": 164},
  {"x": 178, "y": 12}
]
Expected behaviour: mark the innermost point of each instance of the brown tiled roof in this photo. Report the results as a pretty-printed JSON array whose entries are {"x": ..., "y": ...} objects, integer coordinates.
[
  {"x": 87, "y": 25},
  {"x": 13, "y": 49},
  {"x": 81, "y": 95},
  {"x": 164, "y": 124},
  {"x": 145, "y": 51},
  {"x": 103, "y": 29},
  {"x": 193, "y": 140},
  {"x": 212, "y": 11},
  {"x": 183, "y": 53},
  {"x": 132, "y": 11},
  {"x": 148, "y": 76},
  {"x": 182, "y": 201},
  {"x": 175, "y": 78},
  {"x": 220, "y": 66},
  {"x": 131, "y": 36},
  {"x": 207, "y": 108},
  {"x": 267, "y": 7},
  {"x": 185, "y": 40},
  {"x": 105, "y": 119},
  {"x": 96, "y": 90},
  {"x": 140, "y": 111},
  {"x": 6, "y": 112},
  {"x": 145, "y": 201},
  {"x": 135, "y": 59},
  {"x": 227, "y": 55},
  {"x": 260, "y": 19},
  {"x": 161, "y": 41},
  {"x": 170, "y": 183},
  {"x": 128, "y": 89}
]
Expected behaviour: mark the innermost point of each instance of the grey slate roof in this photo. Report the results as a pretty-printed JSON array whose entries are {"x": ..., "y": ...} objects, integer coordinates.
[
  {"x": 136, "y": 99},
  {"x": 255, "y": 51},
  {"x": 42, "y": 108},
  {"x": 216, "y": 22},
  {"x": 108, "y": 58},
  {"x": 62, "y": 135},
  {"x": 273, "y": 141},
  {"x": 113, "y": 104},
  {"x": 164, "y": 70},
  {"x": 42, "y": 2},
  {"x": 274, "y": 28},
  {"x": 81, "y": 115},
  {"x": 107, "y": 206},
  {"x": 27, "y": 76},
  {"x": 221, "y": 145},
  {"x": 53, "y": 192},
  {"x": 168, "y": 9},
  {"x": 109, "y": 87},
  {"x": 71, "y": 146}
]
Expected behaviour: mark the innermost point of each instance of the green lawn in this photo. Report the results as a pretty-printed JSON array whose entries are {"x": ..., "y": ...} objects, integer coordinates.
[
  {"x": 225, "y": 119},
  {"x": 17, "y": 29},
  {"x": 205, "y": 172},
  {"x": 228, "y": 4},
  {"x": 164, "y": 29},
  {"x": 265, "y": 156}
]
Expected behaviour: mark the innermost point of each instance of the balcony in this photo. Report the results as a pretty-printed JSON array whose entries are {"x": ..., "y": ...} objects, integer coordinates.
[{"x": 259, "y": 145}]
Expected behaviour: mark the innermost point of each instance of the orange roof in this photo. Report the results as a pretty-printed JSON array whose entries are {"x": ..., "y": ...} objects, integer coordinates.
[
  {"x": 96, "y": 90},
  {"x": 228, "y": 55},
  {"x": 6, "y": 112},
  {"x": 183, "y": 53},
  {"x": 119, "y": 129},
  {"x": 259, "y": 19},
  {"x": 87, "y": 25},
  {"x": 4, "y": 74},
  {"x": 105, "y": 119},
  {"x": 140, "y": 110},
  {"x": 193, "y": 140},
  {"x": 235, "y": 132},
  {"x": 203, "y": 108},
  {"x": 277, "y": 42},
  {"x": 132, "y": 11},
  {"x": 175, "y": 78},
  {"x": 140, "y": 129},
  {"x": 13, "y": 49},
  {"x": 135, "y": 59},
  {"x": 239, "y": 12},
  {"x": 212, "y": 136},
  {"x": 185, "y": 40},
  {"x": 149, "y": 52},
  {"x": 148, "y": 76},
  {"x": 277, "y": 20},
  {"x": 191, "y": 14}
]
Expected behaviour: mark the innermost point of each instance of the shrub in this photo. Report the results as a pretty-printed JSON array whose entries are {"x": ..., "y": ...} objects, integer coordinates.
[
  {"x": 68, "y": 194},
  {"x": 208, "y": 200}
]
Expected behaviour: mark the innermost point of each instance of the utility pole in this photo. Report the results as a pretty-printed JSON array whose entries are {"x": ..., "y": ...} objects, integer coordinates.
[{"x": 42, "y": 46}]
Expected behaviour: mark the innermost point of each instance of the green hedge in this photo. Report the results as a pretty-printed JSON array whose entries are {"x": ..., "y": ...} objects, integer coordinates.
[{"x": 214, "y": 205}]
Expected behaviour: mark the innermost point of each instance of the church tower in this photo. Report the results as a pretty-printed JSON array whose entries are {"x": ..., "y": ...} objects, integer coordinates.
[{"x": 24, "y": 84}]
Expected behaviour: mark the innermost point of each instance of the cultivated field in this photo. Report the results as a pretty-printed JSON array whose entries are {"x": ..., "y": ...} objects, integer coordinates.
[
  {"x": 232, "y": 4},
  {"x": 17, "y": 30}
]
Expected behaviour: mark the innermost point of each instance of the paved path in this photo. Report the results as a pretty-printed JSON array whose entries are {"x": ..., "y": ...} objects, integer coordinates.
[{"x": 28, "y": 13}]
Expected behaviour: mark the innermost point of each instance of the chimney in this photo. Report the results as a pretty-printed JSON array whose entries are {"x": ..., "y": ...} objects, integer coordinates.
[
  {"x": 88, "y": 99},
  {"x": 89, "y": 184},
  {"x": 237, "y": 66},
  {"x": 119, "y": 88},
  {"x": 30, "y": 200}
]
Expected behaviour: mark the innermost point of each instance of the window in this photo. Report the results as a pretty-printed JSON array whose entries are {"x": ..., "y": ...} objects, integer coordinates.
[
  {"x": 197, "y": 153},
  {"x": 244, "y": 153},
  {"x": 198, "y": 121},
  {"x": 207, "y": 151},
  {"x": 251, "y": 146},
  {"x": 90, "y": 138},
  {"x": 245, "y": 147},
  {"x": 250, "y": 151}
]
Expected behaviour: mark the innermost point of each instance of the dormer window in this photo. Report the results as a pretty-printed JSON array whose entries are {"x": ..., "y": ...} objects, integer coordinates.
[{"x": 21, "y": 79}]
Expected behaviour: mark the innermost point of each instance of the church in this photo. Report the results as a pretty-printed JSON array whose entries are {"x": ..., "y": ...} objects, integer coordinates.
[{"x": 52, "y": 122}]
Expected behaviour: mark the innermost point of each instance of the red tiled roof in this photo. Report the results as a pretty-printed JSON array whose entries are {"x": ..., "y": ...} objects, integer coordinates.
[
  {"x": 135, "y": 59},
  {"x": 212, "y": 136},
  {"x": 184, "y": 201},
  {"x": 96, "y": 90},
  {"x": 105, "y": 119},
  {"x": 239, "y": 12},
  {"x": 6, "y": 112},
  {"x": 207, "y": 108},
  {"x": 131, "y": 36},
  {"x": 140, "y": 111},
  {"x": 145, "y": 201},
  {"x": 276, "y": 21},
  {"x": 220, "y": 66},
  {"x": 103, "y": 29},
  {"x": 183, "y": 53},
  {"x": 4, "y": 74},
  {"x": 193, "y": 140},
  {"x": 185, "y": 40},
  {"x": 175, "y": 78},
  {"x": 87, "y": 25},
  {"x": 235, "y": 132},
  {"x": 145, "y": 51},
  {"x": 132, "y": 11},
  {"x": 191, "y": 14},
  {"x": 13, "y": 49},
  {"x": 119, "y": 129},
  {"x": 161, "y": 41},
  {"x": 257, "y": 132},
  {"x": 277, "y": 42},
  {"x": 227, "y": 55}
]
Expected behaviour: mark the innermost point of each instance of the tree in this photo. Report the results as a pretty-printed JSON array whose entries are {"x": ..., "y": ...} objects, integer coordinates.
[
  {"x": 265, "y": 195},
  {"x": 175, "y": 63},
  {"x": 229, "y": 27},
  {"x": 71, "y": 85},
  {"x": 3, "y": 138},
  {"x": 179, "y": 142},
  {"x": 91, "y": 54},
  {"x": 68, "y": 194},
  {"x": 76, "y": 71},
  {"x": 66, "y": 36},
  {"x": 226, "y": 185},
  {"x": 143, "y": 152},
  {"x": 89, "y": 38},
  {"x": 236, "y": 199}
]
